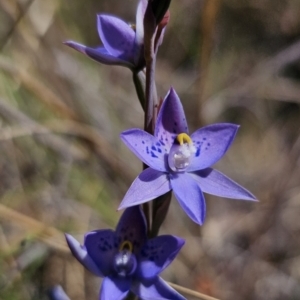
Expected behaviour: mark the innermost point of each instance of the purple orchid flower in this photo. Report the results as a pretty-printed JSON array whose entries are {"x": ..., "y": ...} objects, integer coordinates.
[
  {"x": 180, "y": 162},
  {"x": 127, "y": 260},
  {"x": 122, "y": 45}
]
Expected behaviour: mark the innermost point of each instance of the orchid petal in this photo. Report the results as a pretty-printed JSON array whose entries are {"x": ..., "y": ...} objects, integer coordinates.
[
  {"x": 156, "y": 289},
  {"x": 215, "y": 183},
  {"x": 102, "y": 248},
  {"x": 146, "y": 147},
  {"x": 171, "y": 119},
  {"x": 132, "y": 227},
  {"x": 115, "y": 288},
  {"x": 211, "y": 144},
  {"x": 81, "y": 254},
  {"x": 157, "y": 254},
  {"x": 139, "y": 33},
  {"x": 117, "y": 37},
  {"x": 99, "y": 54},
  {"x": 189, "y": 196},
  {"x": 147, "y": 186}
]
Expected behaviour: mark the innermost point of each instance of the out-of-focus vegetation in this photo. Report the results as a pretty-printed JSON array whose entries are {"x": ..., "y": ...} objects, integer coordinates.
[{"x": 63, "y": 167}]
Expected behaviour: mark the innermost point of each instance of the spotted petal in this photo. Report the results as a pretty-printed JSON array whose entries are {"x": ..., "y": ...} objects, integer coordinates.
[
  {"x": 117, "y": 37},
  {"x": 189, "y": 196},
  {"x": 115, "y": 288},
  {"x": 170, "y": 120},
  {"x": 146, "y": 147},
  {"x": 132, "y": 227},
  {"x": 214, "y": 182},
  {"x": 156, "y": 289},
  {"x": 81, "y": 254},
  {"x": 211, "y": 144},
  {"x": 147, "y": 186},
  {"x": 102, "y": 248},
  {"x": 157, "y": 254},
  {"x": 99, "y": 54}
]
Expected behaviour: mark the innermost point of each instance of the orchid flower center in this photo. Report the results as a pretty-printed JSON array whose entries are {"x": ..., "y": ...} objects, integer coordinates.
[
  {"x": 181, "y": 153},
  {"x": 125, "y": 261}
]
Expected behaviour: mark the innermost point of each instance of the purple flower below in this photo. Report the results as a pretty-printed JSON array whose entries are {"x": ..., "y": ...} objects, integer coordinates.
[
  {"x": 127, "y": 260},
  {"x": 180, "y": 162},
  {"x": 122, "y": 45}
]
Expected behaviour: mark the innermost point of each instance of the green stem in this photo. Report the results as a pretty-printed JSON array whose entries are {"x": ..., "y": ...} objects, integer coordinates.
[
  {"x": 139, "y": 84},
  {"x": 160, "y": 209},
  {"x": 150, "y": 89},
  {"x": 131, "y": 296}
]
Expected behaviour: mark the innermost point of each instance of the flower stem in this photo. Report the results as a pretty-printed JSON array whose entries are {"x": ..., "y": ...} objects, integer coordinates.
[
  {"x": 131, "y": 296},
  {"x": 150, "y": 89},
  {"x": 139, "y": 84},
  {"x": 150, "y": 58},
  {"x": 160, "y": 209}
]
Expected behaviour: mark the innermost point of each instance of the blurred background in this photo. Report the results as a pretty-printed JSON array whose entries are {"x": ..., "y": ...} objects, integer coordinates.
[{"x": 64, "y": 169}]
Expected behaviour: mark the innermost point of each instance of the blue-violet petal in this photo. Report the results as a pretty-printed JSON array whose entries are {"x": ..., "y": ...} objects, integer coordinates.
[
  {"x": 157, "y": 254},
  {"x": 132, "y": 227},
  {"x": 147, "y": 186},
  {"x": 171, "y": 120},
  {"x": 117, "y": 37},
  {"x": 146, "y": 147},
  {"x": 114, "y": 288},
  {"x": 81, "y": 254},
  {"x": 99, "y": 54},
  {"x": 211, "y": 144},
  {"x": 189, "y": 196},
  {"x": 156, "y": 289},
  {"x": 215, "y": 183},
  {"x": 101, "y": 246}
]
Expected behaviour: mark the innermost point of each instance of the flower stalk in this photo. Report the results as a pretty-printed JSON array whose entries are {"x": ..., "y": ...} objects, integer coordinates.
[
  {"x": 150, "y": 58},
  {"x": 150, "y": 99}
]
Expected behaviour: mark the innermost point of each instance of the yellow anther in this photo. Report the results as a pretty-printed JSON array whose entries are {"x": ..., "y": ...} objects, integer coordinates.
[
  {"x": 126, "y": 245},
  {"x": 184, "y": 138}
]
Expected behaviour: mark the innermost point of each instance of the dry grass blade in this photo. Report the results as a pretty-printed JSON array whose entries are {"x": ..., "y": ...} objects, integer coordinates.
[
  {"x": 53, "y": 142},
  {"x": 191, "y": 292},
  {"x": 41, "y": 91},
  {"x": 10, "y": 7},
  {"x": 102, "y": 147},
  {"x": 260, "y": 77},
  {"x": 208, "y": 20},
  {"x": 49, "y": 235}
]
